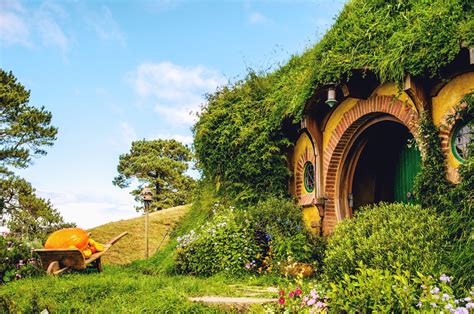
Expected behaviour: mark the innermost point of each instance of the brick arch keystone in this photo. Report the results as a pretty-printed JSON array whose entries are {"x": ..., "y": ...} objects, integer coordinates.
[{"x": 341, "y": 138}]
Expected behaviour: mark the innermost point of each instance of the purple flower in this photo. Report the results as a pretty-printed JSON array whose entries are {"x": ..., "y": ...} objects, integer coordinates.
[
  {"x": 435, "y": 290},
  {"x": 311, "y": 302},
  {"x": 470, "y": 305},
  {"x": 468, "y": 299},
  {"x": 448, "y": 306},
  {"x": 420, "y": 304},
  {"x": 445, "y": 278},
  {"x": 433, "y": 304},
  {"x": 445, "y": 297},
  {"x": 247, "y": 266},
  {"x": 461, "y": 310}
]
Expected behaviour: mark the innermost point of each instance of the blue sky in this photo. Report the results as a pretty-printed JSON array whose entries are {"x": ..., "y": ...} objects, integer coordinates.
[{"x": 115, "y": 71}]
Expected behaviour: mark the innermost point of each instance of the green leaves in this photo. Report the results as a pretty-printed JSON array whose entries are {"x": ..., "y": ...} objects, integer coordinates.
[
  {"x": 160, "y": 165},
  {"x": 24, "y": 129}
]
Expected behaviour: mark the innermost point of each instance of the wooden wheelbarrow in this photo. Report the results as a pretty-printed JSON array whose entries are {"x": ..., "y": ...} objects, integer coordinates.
[{"x": 57, "y": 261}]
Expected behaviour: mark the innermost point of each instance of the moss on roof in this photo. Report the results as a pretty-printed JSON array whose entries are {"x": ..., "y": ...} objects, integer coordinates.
[{"x": 389, "y": 38}]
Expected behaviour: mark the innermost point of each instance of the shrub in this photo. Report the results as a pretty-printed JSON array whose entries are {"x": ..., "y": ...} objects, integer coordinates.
[
  {"x": 16, "y": 260},
  {"x": 260, "y": 238},
  {"x": 281, "y": 221},
  {"x": 225, "y": 243},
  {"x": 396, "y": 291},
  {"x": 385, "y": 234}
]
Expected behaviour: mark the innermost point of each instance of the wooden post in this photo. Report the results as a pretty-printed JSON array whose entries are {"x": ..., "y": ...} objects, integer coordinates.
[{"x": 146, "y": 230}]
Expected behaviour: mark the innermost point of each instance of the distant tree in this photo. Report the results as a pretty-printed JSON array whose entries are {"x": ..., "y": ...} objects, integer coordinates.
[
  {"x": 159, "y": 165},
  {"x": 24, "y": 129},
  {"x": 24, "y": 132},
  {"x": 24, "y": 213}
]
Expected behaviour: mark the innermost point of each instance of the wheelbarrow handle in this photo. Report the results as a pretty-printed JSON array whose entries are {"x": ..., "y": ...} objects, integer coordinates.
[{"x": 120, "y": 236}]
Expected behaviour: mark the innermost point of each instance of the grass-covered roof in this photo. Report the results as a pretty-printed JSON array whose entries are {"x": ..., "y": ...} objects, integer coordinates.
[{"x": 239, "y": 140}]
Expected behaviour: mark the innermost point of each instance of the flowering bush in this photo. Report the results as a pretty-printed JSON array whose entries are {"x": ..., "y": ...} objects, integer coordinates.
[
  {"x": 399, "y": 291},
  {"x": 258, "y": 239},
  {"x": 281, "y": 221},
  {"x": 225, "y": 243},
  {"x": 16, "y": 259},
  {"x": 374, "y": 290}
]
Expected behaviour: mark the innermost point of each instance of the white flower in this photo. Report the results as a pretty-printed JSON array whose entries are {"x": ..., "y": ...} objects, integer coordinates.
[{"x": 445, "y": 278}]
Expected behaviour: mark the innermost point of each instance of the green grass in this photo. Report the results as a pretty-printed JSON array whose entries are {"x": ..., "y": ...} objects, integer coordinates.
[
  {"x": 120, "y": 289},
  {"x": 132, "y": 247},
  {"x": 142, "y": 286}
]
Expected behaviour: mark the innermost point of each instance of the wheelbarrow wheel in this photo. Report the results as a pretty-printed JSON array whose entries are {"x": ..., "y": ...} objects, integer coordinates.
[
  {"x": 52, "y": 268},
  {"x": 98, "y": 265}
]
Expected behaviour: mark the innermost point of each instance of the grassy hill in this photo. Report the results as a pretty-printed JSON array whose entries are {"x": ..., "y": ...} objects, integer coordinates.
[{"x": 132, "y": 246}]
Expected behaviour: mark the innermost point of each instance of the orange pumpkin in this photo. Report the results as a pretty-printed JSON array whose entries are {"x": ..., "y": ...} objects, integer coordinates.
[{"x": 66, "y": 238}]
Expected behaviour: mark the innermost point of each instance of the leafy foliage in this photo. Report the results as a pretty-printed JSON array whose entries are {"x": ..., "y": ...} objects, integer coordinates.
[
  {"x": 396, "y": 290},
  {"x": 383, "y": 235},
  {"x": 265, "y": 237},
  {"x": 239, "y": 138},
  {"x": 17, "y": 259},
  {"x": 225, "y": 243},
  {"x": 27, "y": 215},
  {"x": 24, "y": 129},
  {"x": 160, "y": 165}
]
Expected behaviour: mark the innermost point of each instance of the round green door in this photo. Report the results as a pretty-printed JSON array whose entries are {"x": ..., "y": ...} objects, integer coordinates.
[{"x": 408, "y": 166}]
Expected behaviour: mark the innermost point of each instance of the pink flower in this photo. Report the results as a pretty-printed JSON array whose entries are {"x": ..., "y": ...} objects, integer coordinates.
[
  {"x": 298, "y": 291},
  {"x": 281, "y": 300},
  {"x": 291, "y": 294},
  {"x": 281, "y": 293}
]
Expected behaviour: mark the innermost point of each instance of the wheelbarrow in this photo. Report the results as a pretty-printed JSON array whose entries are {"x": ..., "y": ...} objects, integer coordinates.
[{"x": 57, "y": 261}]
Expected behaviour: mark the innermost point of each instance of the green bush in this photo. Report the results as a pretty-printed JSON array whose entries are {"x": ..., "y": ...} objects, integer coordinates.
[
  {"x": 385, "y": 234},
  {"x": 281, "y": 223},
  {"x": 394, "y": 291},
  {"x": 225, "y": 243},
  {"x": 16, "y": 260},
  {"x": 260, "y": 238}
]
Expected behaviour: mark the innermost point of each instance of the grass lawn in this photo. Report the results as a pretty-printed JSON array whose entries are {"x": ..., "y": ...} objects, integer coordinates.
[
  {"x": 121, "y": 289},
  {"x": 132, "y": 247}
]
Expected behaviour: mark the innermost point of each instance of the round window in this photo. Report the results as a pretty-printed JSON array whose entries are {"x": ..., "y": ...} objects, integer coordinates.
[
  {"x": 308, "y": 176},
  {"x": 460, "y": 140}
]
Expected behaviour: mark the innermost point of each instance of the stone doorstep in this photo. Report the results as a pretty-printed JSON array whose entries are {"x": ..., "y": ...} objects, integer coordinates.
[{"x": 238, "y": 301}]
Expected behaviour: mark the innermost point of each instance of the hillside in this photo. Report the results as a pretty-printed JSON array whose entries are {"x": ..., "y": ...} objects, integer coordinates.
[{"x": 132, "y": 247}]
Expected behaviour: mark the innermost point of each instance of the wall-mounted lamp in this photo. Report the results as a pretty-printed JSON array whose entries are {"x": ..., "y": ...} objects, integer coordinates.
[{"x": 331, "y": 101}]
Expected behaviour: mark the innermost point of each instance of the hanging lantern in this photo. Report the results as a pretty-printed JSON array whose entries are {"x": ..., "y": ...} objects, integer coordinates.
[{"x": 331, "y": 101}]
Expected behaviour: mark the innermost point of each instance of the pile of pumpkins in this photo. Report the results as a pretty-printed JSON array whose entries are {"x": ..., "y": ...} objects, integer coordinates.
[{"x": 73, "y": 238}]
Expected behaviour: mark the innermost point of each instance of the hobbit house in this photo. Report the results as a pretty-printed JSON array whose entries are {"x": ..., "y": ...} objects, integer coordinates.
[
  {"x": 357, "y": 142},
  {"x": 353, "y": 119}
]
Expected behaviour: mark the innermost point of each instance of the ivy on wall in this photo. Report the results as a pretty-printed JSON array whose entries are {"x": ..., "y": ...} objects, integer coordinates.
[{"x": 239, "y": 139}]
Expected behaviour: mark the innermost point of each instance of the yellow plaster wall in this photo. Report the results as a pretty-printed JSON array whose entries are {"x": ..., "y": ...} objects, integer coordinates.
[
  {"x": 336, "y": 116},
  {"x": 310, "y": 213},
  {"x": 449, "y": 97},
  {"x": 391, "y": 89},
  {"x": 388, "y": 89},
  {"x": 311, "y": 219}
]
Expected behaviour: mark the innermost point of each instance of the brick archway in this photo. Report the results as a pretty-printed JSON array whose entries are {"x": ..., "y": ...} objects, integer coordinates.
[{"x": 341, "y": 139}]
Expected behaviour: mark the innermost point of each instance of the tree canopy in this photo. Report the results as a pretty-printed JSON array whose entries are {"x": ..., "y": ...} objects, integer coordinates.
[
  {"x": 24, "y": 129},
  {"x": 159, "y": 165},
  {"x": 24, "y": 132}
]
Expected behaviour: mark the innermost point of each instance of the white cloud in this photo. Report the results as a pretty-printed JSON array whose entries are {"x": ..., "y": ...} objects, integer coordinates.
[
  {"x": 176, "y": 91},
  {"x": 52, "y": 34},
  {"x": 258, "y": 18},
  {"x": 185, "y": 139},
  {"x": 21, "y": 26},
  {"x": 105, "y": 26},
  {"x": 89, "y": 208},
  {"x": 128, "y": 133},
  {"x": 13, "y": 26}
]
